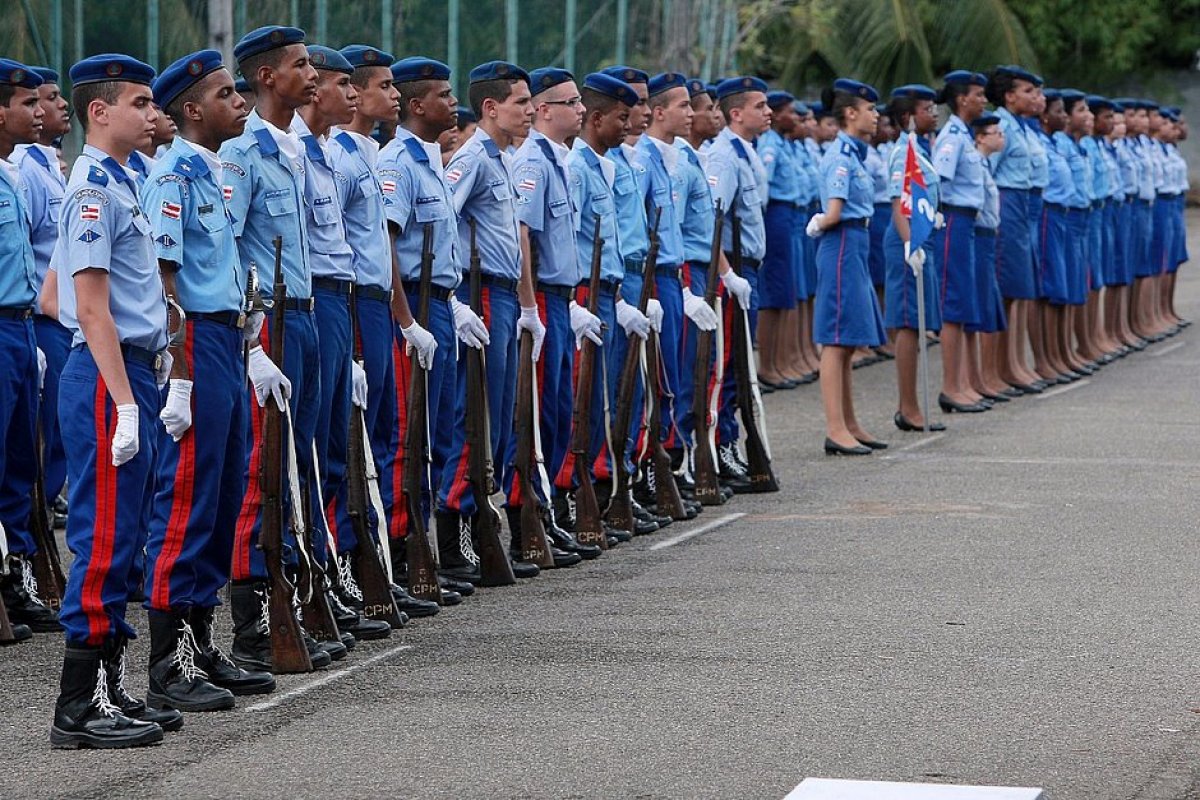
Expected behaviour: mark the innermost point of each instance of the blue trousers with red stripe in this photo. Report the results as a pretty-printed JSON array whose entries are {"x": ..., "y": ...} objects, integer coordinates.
[
  {"x": 500, "y": 311},
  {"x": 335, "y": 342},
  {"x": 617, "y": 345},
  {"x": 697, "y": 279},
  {"x": 301, "y": 365},
  {"x": 555, "y": 392},
  {"x": 201, "y": 479},
  {"x": 727, "y": 427},
  {"x": 597, "y": 455},
  {"x": 55, "y": 341},
  {"x": 108, "y": 504},
  {"x": 18, "y": 410},
  {"x": 669, "y": 293}
]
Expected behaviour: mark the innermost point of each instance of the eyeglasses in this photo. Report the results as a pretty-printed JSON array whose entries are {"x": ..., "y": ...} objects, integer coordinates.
[{"x": 574, "y": 101}]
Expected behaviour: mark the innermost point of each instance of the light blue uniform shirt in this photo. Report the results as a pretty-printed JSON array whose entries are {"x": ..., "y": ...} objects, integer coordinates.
[
  {"x": 415, "y": 195},
  {"x": 878, "y": 169},
  {"x": 544, "y": 205},
  {"x": 353, "y": 157},
  {"x": 44, "y": 185},
  {"x": 142, "y": 165},
  {"x": 805, "y": 172},
  {"x": 631, "y": 212},
  {"x": 1178, "y": 169},
  {"x": 1011, "y": 167},
  {"x": 989, "y": 212},
  {"x": 184, "y": 201},
  {"x": 1147, "y": 186},
  {"x": 18, "y": 270},
  {"x": 844, "y": 177},
  {"x": 1061, "y": 188},
  {"x": 1098, "y": 188},
  {"x": 895, "y": 168},
  {"x": 695, "y": 207},
  {"x": 1128, "y": 165},
  {"x": 738, "y": 184},
  {"x": 812, "y": 165},
  {"x": 330, "y": 255},
  {"x": 1116, "y": 185},
  {"x": 591, "y": 192},
  {"x": 778, "y": 158},
  {"x": 959, "y": 165},
  {"x": 660, "y": 187},
  {"x": 1081, "y": 176},
  {"x": 481, "y": 187},
  {"x": 264, "y": 188},
  {"x": 1039, "y": 160},
  {"x": 1157, "y": 159},
  {"x": 103, "y": 227}
]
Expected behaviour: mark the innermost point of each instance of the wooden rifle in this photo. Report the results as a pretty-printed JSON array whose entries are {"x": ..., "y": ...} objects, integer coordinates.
[
  {"x": 288, "y": 651},
  {"x": 620, "y": 506},
  {"x": 534, "y": 545},
  {"x": 494, "y": 566},
  {"x": 378, "y": 602},
  {"x": 47, "y": 563},
  {"x": 666, "y": 491},
  {"x": 6, "y": 632},
  {"x": 704, "y": 461},
  {"x": 588, "y": 528},
  {"x": 422, "y": 563},
  {"x": 762, "y": 478}
]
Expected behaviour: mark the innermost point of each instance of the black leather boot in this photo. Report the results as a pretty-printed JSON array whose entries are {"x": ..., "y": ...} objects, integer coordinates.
[
  {"x": 566, "y": 541},
  {"x": 20, "y": 633},
  {"x": 456, "y": 552},
  {"x": 561, "y": 558},
  {"x": 175, "y": 678},
  {"x": 19, "y": 592},
  {"x": 354, "y": 623},
  {"x": 220, "y": 667},
  {"x": 114, "y": 655},
  {"x": 563, "y": 507},
  {"x": 731, "y": 472},
  {"x": 250, "y": 609},
  {"x": 83, "y": 714}
]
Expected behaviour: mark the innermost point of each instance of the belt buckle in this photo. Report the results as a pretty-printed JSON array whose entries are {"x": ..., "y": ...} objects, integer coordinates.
[
  {"x": 241, "y": 320},
  {"x": 158, "y": 362}
]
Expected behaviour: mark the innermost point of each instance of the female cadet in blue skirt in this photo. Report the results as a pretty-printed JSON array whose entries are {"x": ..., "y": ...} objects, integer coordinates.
[
  {"x": 961, "y": 169},
  {"x": 1039, "y": 177},
  {"x": 1079, "y": 122},
  {"x": 781, "y": 218},
  {"x": 989, "y": 139},
  {"x": 1013, "y": 91},
  {"x": 1117, "y": 309},
  {"x": 846, "y": 313},
  {"x": 1051, "y": 238},
  {"x": 877, "y": 164},
  {"x": 911, "y": 111}
]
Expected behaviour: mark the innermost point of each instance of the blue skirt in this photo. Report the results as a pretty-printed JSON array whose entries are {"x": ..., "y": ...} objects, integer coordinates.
[
  {"x": 1143, "y": 224},
  {"x": 802, "y": 251},
  {"x": 1108, "y": 242},
  {"x": 1052, "y": 256},
  {"x": 1094, "y": 254},
  {"x": 846, "y": 312},
  {"x": 1075, "y": 255},
  {"x": 879, "y": 225},
  {"x": 955, "y": 248},
  {"x": 900, "y": 287},
  {"x": 1014, "y": 259},
  {"x": 1160, "y": 237},
  {"x": 1181, "y": 221},
  {"x": 1123, "y": 245},
  {"x": 810, "y": 264},
  {"x": 1035, "y": 222},
  {"x": 777, "y": 276},
  {"x": 992, "y": 318}
]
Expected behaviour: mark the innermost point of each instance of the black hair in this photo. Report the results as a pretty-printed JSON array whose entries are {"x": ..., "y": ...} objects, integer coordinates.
[
  {"x": 980, "y": 125},
  {"x": 837, "y": 102},
  {"x": 410, "y": 90},
  {"x": 949, "y": 94},
  {"x": 899, "y": 109},
  {"x": 192, "y": 94},
  {"x": 7, "y": 92},
  {"x": 729, "y": 103},
  {"x": 361, "y": 76},
  {"x": 1069, "y": 105},
  {"x": 250, "y": 65},
  {"x": 595, "y": 102},
  {"x": 498, "y": 89},
  {"x": 82, "y": 96}
]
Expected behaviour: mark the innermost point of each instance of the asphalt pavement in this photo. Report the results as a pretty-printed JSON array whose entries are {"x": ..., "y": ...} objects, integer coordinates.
[{"x": 1012, "y": 602}]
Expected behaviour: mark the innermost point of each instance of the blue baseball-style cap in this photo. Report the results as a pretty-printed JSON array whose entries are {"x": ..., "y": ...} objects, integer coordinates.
[
  {"x": 498, "y": 70},
  {"x": 327, "y": 58},
  {"x": 1098, "y": 103},
  {"x": 965, "y": 76},
  {"x": 611, "y": 87},
  {"x": 856, "y": 88},
  {"x": 801, "y": 108},
  {"x": 731, "y": 86},
  {"x": 363, "y": 55},
  {"x": 545, "y": 78},
  {"x": 183, "y": 74},
  {"x": 14, "y": 73},
  {"x": 268, "y": 37},
  {"x": 665, "y": 81},
  {"x": 778, "y": 97},
  {"x": 984, "y": 120},
  {"x": 627, "y": 74},
  {"x": 111, "y": 67},
  {"x": 419, "y": 68},
  {"x": 914, "y": 91},
  {"x": 1020, "y": 73},
  {"x": 46, "y": 74}
]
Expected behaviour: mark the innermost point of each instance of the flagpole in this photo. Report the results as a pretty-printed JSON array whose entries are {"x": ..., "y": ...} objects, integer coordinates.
[{"x": 922, "y": 341}]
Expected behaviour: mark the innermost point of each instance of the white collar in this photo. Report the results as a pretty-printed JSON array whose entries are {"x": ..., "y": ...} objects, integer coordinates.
[
  {"x": 668, "y": 152},
  {"x": 288, "y": 141},
  {"x": 11, "y": 171}
]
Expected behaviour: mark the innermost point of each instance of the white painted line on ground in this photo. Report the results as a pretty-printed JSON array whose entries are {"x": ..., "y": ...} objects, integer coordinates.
[
  {"x": 831, "y": 789},
  {"x": 1171, "y": 348},
  {"x": 705, "y": 528},
  {"x": 1062, "y": 389},
  {"x": 921, "y": 442},
  {"x": 328, "y": 678}
]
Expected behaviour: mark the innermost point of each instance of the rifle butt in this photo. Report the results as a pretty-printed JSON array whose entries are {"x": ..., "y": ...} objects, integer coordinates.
[
  {"x": 762, "y": 477},
  {"x": 494, "y": 566},
  {"x": 422, "y": 574},
  {"x": 6, "y": 631},
  {"x": 620, "y": 506},
  {"x": 534, "y": 546},
  {"x": 288, "y": 653}
]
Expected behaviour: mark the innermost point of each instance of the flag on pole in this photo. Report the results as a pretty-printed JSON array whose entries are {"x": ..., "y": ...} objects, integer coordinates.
[{"x": 914, "y": 199}]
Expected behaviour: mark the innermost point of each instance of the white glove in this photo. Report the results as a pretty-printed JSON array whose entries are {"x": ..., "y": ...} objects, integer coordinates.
[
  {"x": 530, "y": 321},
  {"x": 253, "y": 326},
  {"x": 358, "y": 385},
  {"x": 125, "y": 437},
  {"x": 655, "y": 314},
  {"x": 939, "y": 221},
  {"x": 585, "y": 324},
  {"x": 699, "y": 312},
  {"x": 469, "y": 327},
  {"x": 176, "y": 415},
  {"x": 816, "y": 226},
  {"x": 633, "y": 321},
  {"x": 267, "y": 379},
  {"x": 916, "y": 260},
  {"x": 163, "y": 374},
  {"x": 41, "y": 359},
  {"x": 422, "y": 341},
  {"x": 738, "y": 288}
]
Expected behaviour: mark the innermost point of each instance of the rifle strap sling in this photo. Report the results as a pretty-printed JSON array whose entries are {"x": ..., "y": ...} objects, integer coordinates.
[
  {"x": 293, "y": 477},
  {"x": 381, "y": 526},
  {"x": 538, "y": 458},
  {"x": 760, "y": 417}
]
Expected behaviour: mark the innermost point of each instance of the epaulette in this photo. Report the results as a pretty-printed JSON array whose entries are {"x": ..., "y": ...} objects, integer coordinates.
[
  {"x": 97, "y": 175},
  {"x": 740, "y": 149},
  {"x": 347, "y": 142}
]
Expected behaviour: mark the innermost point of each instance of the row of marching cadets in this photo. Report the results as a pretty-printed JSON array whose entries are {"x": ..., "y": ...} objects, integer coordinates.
[
  {"x": 1054, "y": 228},
  {"x": 280, "y": 290}
]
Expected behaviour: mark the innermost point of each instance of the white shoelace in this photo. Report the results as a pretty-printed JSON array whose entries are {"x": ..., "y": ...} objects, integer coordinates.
[
  {"x": 264, "y": 618},
  {"x": 29, "y": 580},
  {"x": 346, "y": 576},
  {"x": 185, "y": 655},
  {"x": 464, "y": 542},
  {"x": 100, "y": 694}
]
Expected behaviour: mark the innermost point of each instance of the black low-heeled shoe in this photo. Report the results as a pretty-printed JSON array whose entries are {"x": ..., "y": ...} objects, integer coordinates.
[
  {"x": 832, "y": 448},
  {"x": 995, "y": 398},
  {"x": 903, "y": 424},
  {"x": 947, "y": 405},
  {"x": 1028, "y": 388},
  {"x": 874, "y": 444}
]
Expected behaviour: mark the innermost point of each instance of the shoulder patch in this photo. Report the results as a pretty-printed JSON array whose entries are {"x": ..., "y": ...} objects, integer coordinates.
[
  {"x": 89, "y": 236},
  {"x": 90, "y": 194},
  {"x": 166, "y": 241},
  {"x": 234, "y": 168},
  {"x": 97, "y": 176}
]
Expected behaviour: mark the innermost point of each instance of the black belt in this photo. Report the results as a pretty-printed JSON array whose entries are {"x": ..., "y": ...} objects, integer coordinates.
[
  {"x": 16, "y": 313},
  {"x": 970, "y": 212},
  {"x": 1167, "y": 196},
  {"x": 1057, "y": 207},
  {"x": 608, "y": 288},
  {"x": 131, "y": 352},
  {"x": 989, "y": 232},
  {"x": 787, "y": 203},
  {"x": 561, "y": 291},
  {"x": 435, "y": 291},
  {"x": 1035, "y": 190},
  {"x": 1097, "y": 204},
  {"x": 864, "y": 222},
  {"x": 1143, "y": 202},
  {"x": 230, "y": 319},
  {"x": 878, "y": 206},
  {"x": 667, "y": 272},
  {"x": 495, "y": 281},
  {"x": 373, "y": 293},
  {"x": 751, "y": 263},
  {"x": 635, "y": 265},
  {"x": 299, "y": 304},
  {"x": 336, "y": 285}
]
